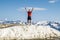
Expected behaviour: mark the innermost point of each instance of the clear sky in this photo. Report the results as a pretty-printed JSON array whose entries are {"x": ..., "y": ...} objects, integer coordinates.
[{"x": 8, "y": 9}]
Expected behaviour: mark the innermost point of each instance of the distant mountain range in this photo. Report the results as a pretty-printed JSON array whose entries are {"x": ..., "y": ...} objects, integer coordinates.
[
  {"x": 10, "y": 22},
  {"x": 55, "y": 25}
]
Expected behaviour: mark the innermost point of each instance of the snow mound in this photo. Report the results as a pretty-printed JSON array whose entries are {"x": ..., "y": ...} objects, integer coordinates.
[{"x": 28, "y": 32}]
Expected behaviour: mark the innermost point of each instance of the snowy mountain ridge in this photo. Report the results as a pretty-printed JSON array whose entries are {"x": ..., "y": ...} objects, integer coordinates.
[
  {"x": 40, "y": 30},
  {"x": 55, "y": 25}
]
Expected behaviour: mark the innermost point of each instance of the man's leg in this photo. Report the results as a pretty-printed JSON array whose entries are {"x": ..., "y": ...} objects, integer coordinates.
[{"x": 29, "y": 20}]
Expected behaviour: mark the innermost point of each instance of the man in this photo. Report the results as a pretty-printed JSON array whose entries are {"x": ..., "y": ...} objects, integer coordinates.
[{"x": 29, "y": 12}]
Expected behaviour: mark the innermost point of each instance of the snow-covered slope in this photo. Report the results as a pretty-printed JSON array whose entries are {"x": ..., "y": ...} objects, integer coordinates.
[
  {"x": 28, "y": 32},
  {"x": 41, "y": 30}
]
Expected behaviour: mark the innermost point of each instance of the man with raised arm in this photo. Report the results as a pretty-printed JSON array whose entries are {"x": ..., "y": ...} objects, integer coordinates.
[{"x": 29, "y": 13}]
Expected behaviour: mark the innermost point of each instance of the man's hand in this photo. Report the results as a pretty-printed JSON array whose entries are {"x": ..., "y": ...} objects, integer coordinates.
[{"x": 25, "y": 8}]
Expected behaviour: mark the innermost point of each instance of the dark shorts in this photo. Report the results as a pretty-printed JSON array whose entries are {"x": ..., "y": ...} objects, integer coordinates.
[{"x": 29, "y": 17}]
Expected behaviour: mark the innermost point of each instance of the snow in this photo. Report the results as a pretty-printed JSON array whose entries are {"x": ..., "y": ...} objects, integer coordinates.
[
  {"x": 42, "y": 23},
  {"x": 29, "y": 31},
  {"x": 51, "y": 24}
]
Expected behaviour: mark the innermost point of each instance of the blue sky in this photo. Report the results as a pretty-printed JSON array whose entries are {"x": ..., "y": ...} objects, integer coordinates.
[{"x": 8, "y": 9}]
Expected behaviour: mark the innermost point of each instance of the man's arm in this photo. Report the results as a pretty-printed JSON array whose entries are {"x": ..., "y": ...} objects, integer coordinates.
[{"x": 32, "y": 9}]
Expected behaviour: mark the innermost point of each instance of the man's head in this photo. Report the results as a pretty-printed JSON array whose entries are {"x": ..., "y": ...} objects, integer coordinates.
[{"x": 29, "y": 10}]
